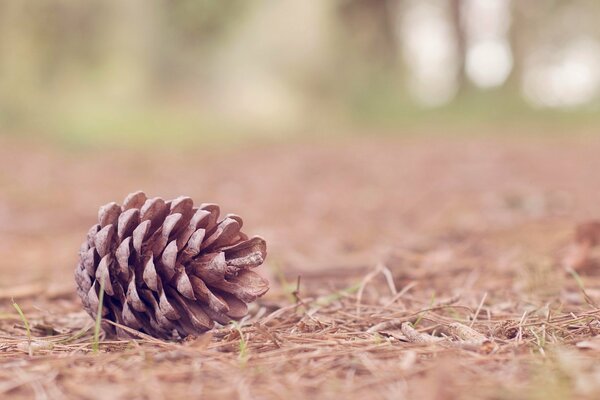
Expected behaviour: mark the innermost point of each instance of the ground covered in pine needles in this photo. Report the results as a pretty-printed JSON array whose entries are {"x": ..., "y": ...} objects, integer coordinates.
[{"x": 401, "y": 268}]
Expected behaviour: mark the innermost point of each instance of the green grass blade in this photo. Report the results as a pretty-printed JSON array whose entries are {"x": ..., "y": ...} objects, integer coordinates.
[
  {"x": 23, "y": 318},
  {"x": 95, "y": 345}
]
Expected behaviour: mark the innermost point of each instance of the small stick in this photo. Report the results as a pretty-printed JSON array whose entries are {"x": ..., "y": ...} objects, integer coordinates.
[
  {"x": 296, "y": 294},
  {"x": 389, "y": 278},
  {"x": 386, "y": 325},
  {"x": 478, "y": 309},
  {"x": 465, "y": 333},
  {"x": 520, "y": 334},
  {"x": 415, "y": 336}
]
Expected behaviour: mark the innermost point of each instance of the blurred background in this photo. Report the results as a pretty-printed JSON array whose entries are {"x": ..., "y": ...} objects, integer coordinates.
[
  {"x": 99, "y": 71},
  {"x": 340, "y": 130}
]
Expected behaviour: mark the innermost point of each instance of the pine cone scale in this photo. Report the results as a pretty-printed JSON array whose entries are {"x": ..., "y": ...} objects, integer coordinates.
[
  {"x": 206, "y": 296},
  {"x": 150, "y": 276},
  {"x": 134, "y": 200},
  {"x": 122, "y": 255},
  {"x": 103, "y": 275},
  {"x": 133, "y": 297},
  {"x": 193, "y": 246},
  {"x": 103, "y": 240},
  {"x": 183, "y": 284},
  {"x": 127, "y": 222},
  {"x": 108, "y": 214}
]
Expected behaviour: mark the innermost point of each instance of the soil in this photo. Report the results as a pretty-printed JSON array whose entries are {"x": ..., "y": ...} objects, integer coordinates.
[{"x": 416, "y": 267}]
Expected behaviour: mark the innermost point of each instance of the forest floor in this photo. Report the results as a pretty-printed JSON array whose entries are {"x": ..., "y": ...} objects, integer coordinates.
[{"x": 414, "y": 267}]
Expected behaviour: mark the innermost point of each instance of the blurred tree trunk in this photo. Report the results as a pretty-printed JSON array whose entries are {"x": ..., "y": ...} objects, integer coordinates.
[
  {"x": 20, "y": 66},
  {"x": 456, "y": 19},
  {"x": 132, "y": 39},
  {"x": 516, "y": 38},
  {"x": 371, "y": 27}
]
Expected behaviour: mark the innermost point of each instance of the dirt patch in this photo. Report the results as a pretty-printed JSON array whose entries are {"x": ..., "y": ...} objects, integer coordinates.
[{"x": 429, "y": 268}]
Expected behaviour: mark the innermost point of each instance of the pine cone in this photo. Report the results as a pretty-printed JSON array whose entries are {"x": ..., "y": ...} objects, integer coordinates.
[{"x": 169, "y": 268}]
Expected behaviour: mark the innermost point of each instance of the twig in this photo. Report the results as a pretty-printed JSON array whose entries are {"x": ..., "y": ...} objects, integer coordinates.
[
  {"x": 396, "y": 323},
  {"x": 465, "y": 333},
  {"x": 415, "y": 336},
  {"x": 478, "y": 309},
  {"x": 389, "y": 278},
  {"x": 296, "y": 294}
]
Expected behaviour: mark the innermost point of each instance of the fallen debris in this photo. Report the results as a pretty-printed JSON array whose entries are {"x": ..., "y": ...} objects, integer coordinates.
[{"x": 415, "y": 336}]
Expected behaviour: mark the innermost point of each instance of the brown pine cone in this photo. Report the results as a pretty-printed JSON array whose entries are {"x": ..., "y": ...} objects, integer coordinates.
[{"x": 169, "y": 269}]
